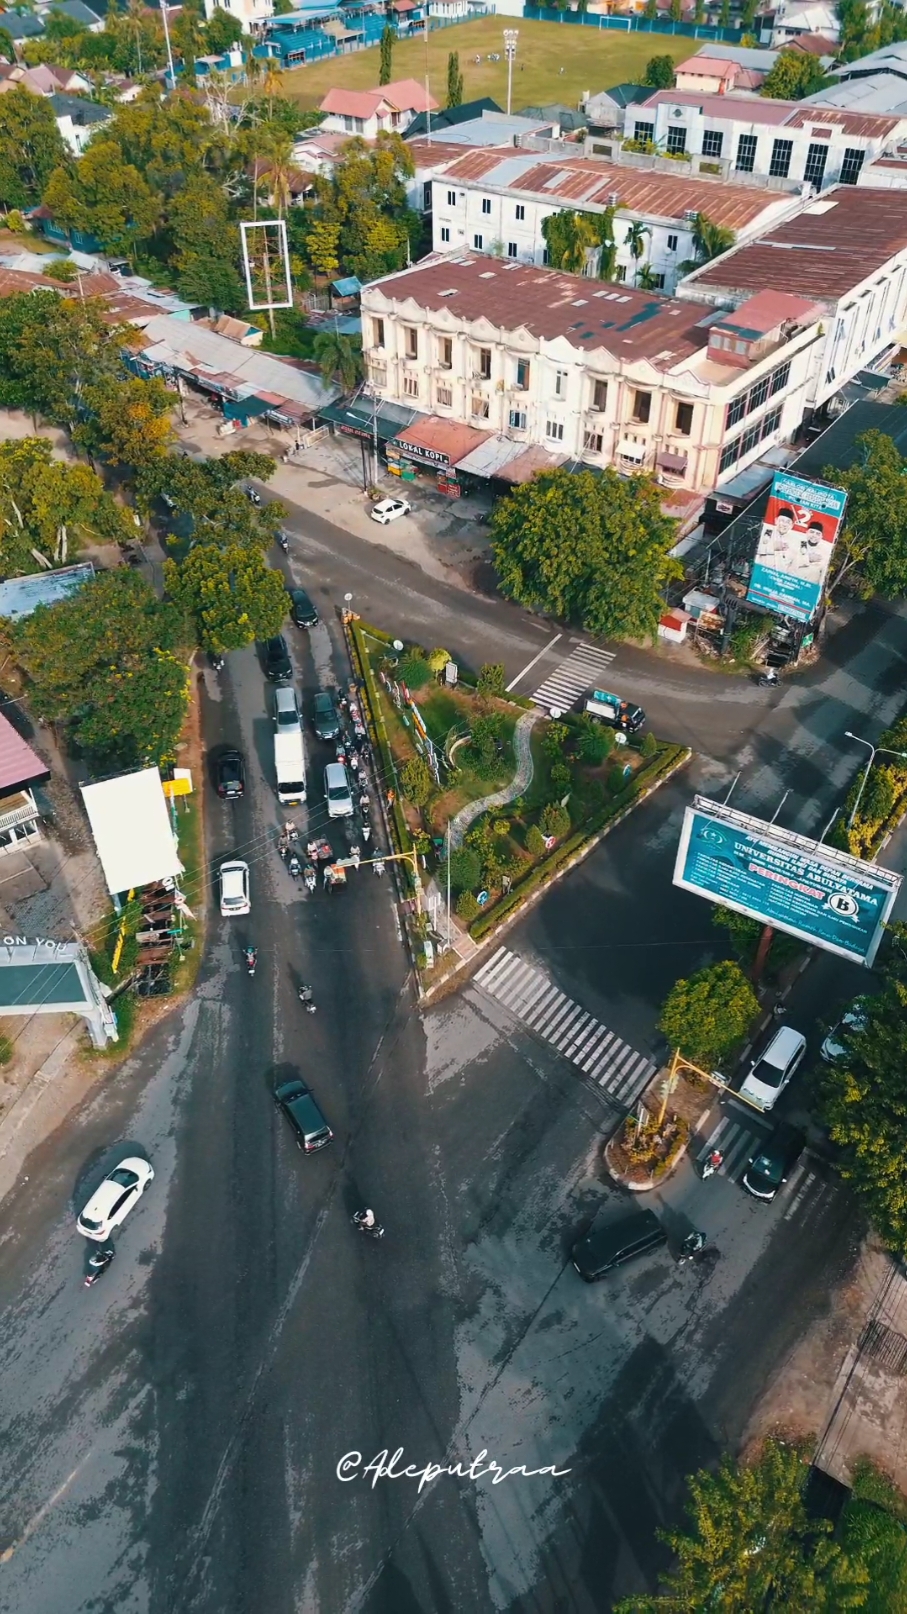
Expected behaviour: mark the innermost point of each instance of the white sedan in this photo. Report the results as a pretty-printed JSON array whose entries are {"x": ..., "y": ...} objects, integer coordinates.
[
  {"x": 234, "y": 889},
  {"x": 110, "y": 1204},
  {"x": 389, "y": 509}
]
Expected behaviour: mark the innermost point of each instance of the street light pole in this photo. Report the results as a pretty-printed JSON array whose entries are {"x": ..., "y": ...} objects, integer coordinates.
[
  {"x": 167, "y": 38},
  {"x": 511, "y": 35},
  {"x": 874, "y": 751}
]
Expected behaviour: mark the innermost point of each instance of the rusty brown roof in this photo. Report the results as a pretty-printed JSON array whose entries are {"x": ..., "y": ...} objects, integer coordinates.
[
  {"x": 591, "y": 314},
  {"x": 639, "y": 191},
  {"x": 833, "y": 245}
]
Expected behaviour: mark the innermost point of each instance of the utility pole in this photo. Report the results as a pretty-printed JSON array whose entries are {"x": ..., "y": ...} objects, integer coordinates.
[
  {"x": 167, "y": 38},
  {"x": 511, "y": 35}
]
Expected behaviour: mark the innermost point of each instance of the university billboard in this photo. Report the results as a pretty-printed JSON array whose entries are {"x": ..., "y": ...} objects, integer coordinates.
[
  {"x": 802, "y": 521},
  {"x": 822, "y": 896}
]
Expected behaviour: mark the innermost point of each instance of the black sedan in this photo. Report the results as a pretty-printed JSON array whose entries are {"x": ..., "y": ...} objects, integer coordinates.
[
  {"x": 301, "y": 608},
  {"x": 301, "y": 1110},
  {"x": 277, "y": 659},
  {"x": 231, "y": 775},
  {"x": 772, "y": 1166},
  {"x": 325, "y": 720}
]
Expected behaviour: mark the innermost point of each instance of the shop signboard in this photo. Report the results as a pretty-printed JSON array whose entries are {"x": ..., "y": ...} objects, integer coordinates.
[{"x": 814, "y": 892}]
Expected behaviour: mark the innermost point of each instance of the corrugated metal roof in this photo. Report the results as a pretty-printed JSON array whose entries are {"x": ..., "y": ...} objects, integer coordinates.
[
  {"x": 19, "y": 764},
  {"x": 19, "y": 596},
  {"x": 490, "y": 457},
  {"x": 193, "y": 346}
]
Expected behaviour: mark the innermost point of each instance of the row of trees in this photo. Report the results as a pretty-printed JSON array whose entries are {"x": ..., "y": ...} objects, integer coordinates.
[{"x": 754, "y": 1543}]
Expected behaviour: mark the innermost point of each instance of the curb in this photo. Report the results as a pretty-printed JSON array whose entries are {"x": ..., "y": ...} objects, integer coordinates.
[{"x": 581, "y": 852}]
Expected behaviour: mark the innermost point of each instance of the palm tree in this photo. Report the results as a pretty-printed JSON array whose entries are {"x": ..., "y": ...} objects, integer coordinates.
[
  {"x": 635, "y": 240},
  {"x": 271, "y": 79},
  {"x": 709, "y": 241},
  {"x": 340, "y": 358},
  {"x": 645, "y": 278}
]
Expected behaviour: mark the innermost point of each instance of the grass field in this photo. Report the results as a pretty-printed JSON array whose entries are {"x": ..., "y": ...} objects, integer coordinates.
[{"x": 591, "y": 59}]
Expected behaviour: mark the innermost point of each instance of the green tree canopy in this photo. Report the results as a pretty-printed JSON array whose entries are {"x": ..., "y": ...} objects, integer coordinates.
[
  {"x": 108, "y": 664},
  {"x": 659, "y": 72},
  {"x": 126, "y": 420},
  {"x": 873, "y": 542},
  {"x": 205, "y": 251},
  {"x": 204, "y": 492},
  {"x": 222, "y": 31},
  {"x": 386, "y": 66},
  {"x": 229, "y": 592},
  {"x": 752, "y": 1546},
  {"x": 361, "y": 221},
  {"x": 31, "y": 147},
  {"x": 709, "y": 241},
  {"x": 104, "y": 196},
  {"x": 340, "y": 357},
  {"x": 793, "y": 75},
  {"x": 454, "y": 80},
  {"x": 49, "y": 508},
  {"x": 571, "y": 237},
  {"x": 589, "y": 549},
  {"x": 705, "y": 1015},
  {"x": 51, "y": 349}
]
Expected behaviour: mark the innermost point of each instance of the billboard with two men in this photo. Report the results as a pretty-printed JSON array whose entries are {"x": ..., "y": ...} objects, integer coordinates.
[
  {"x": 802, "y": 521},
  {"x": 785, "y": 880}
]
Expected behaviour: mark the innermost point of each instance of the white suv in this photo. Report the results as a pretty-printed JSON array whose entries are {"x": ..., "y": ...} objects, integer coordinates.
[
  {"x": 770, "y": 1073},
  {"x": 286, "y": 707},
  {"x": 234, "y": 889}
]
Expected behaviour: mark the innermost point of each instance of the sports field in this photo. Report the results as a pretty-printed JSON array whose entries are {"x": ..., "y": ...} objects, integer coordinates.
[{"x": 591, "y": 59}]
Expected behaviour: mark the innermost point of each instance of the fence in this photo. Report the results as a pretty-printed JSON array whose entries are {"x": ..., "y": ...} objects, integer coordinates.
[{"x": 640, "y": 25}]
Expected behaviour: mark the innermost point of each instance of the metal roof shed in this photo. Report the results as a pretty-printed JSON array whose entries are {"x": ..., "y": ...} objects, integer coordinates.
[{"x": 130, "y": 822}]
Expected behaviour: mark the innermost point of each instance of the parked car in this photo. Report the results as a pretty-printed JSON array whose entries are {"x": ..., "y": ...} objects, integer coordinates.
[
  {"x": 337, "y": 791},
  {"x": 853, "y": 1020},
  {"x": 301, "y": 608},
  {"x": 234, "y": 889},
  {"x": 608, "y": 1247},
  {"x": 389, "y": 509},
  {"x": 770, "y": 1073},
  {"x": 110, "y": 1204},
  {"x": 286, "y": 707},
  {"x": 278, "y": 665},
  {"x": 231, "y": 775},
  {"x": 771, "y": 1167},
  {"x": 301, "y": 1110},
  {"x": 325, "y": 720}
]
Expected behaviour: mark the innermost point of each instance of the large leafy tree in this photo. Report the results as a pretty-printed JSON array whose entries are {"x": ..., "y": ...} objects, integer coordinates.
[
  {"x": 205, "y": 495},
  {"x": 31, "y": 147},
  {"x": 793, "y": 75},
  {"x": 340, "y": 358},
  {"x": 104, "y": 196},
  {"x": 51, "y": 348},
  {"x": 864, "y": 1104},
  {"x": 753, "y": 1547},
  {"x": 109, "y": 665},
  {"x": 571, "y": 237},
  {"x": 873, "y": 542},
  {"x": 48, "y": 509},
  {"x": 222, "y": 31},
  {"x": 709, "y": 241},
  {"x": 659, "y": 72},
  {"x": 232, "y": 596},
  {"x": 127, "y": 421},
  {"x": 206, "y": 246},
  {"x": 707, "y": 1014},
  {"x": 362, "y": 202},
  {"x": 589, "y": 549}
]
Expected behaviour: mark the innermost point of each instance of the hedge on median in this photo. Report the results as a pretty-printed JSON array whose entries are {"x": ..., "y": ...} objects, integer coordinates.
[{"x": 668, "y": 758}]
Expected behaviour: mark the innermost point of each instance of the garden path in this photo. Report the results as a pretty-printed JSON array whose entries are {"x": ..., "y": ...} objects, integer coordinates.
[{"x": 499, "y": 798}]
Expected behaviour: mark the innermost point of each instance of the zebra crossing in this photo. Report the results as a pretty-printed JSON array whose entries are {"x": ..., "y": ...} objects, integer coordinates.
[
  {"x": 580, "y": 672},
  {"x": 533, "y": 999},
  {"x": 737, "y": 1142}
]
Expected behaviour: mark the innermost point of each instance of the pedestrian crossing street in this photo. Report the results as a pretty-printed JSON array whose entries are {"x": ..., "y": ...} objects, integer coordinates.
[
  {"x": 533, "y": 999},
  {"x": 581, "y": 671}
]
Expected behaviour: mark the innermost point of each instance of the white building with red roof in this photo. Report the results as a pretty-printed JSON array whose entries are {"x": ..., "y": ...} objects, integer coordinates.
[{"x": 390, "y": 108}]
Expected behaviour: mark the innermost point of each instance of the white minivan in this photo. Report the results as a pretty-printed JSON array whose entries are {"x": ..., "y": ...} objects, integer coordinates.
[{"x": 337, "y": 790}]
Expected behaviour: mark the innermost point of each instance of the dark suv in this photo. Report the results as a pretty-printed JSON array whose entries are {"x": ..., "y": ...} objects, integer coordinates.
[
  {"x": 309, "y": 1125},
  {"x": 771, "y": 1167},
  {"x": 277, "y": 659},
  {"x": 608, "y": 1247},
  {"x": 325, "y": 721},
  {"x": 231, "y": 775},
  {"x": 301, "y": 608}
]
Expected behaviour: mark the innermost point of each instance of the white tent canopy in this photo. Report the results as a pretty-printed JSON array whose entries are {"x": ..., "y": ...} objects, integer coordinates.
[{"x": 130, "y": 822}]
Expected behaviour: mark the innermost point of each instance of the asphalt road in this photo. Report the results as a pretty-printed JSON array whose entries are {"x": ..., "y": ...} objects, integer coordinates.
[{"x": 171, "y": 1437}]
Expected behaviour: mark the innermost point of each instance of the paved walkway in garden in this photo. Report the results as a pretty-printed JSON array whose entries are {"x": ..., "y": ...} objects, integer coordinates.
[{"x": 499, "y": 798}]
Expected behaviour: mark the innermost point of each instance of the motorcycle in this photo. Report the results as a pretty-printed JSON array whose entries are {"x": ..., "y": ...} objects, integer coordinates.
[
  {"x": 217, "y": 663},
  {"x": 372, "y": 1229},
  {"x": 366, "y": 832},
  {"x": 251, "y": 957},
  {"x": 309, "y": 876},
  {"x": 767, "y": 680},
  {"x": 378, "y": 865},
  {"x": 253, "y": 497},
  {"x": 283, "y": 542},
  {"x": 692, "y": 1245},
  {"x": 98, "y": 1262},
  {"x": 305, "y": 998},
  {"x": 294, "y": 866},
  {"x": 713, "y": 1163}
]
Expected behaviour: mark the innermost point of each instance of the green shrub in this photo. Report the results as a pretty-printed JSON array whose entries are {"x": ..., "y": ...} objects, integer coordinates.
[
  {"x": 560, "y": 777},
  {"x": 465, "y": 869},
  {"x": 616, "y": 780},
  {"x": 594, "y": 741},
  {"x": 6, "y": 1050},
  {"x": 535, "y": 841},
  {"x": 467, "y": 906},
  {"x": 554, "y": 738},
  {"x": 485, "y": 736},
  {"x": 555, "y": 820},
  {"x": 438, "y": 659},
  {"x": 491, "y": 678},
  {"x": 648, "y": 745},
  {"x": 415, "y": 672},
  {"x": 416, "y": 781}
]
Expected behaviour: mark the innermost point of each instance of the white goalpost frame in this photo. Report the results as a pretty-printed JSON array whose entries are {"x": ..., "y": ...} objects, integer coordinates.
[{"x": 274, "y": 265}]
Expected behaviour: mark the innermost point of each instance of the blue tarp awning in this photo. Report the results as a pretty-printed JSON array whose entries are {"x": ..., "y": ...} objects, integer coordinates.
[{"x": 350, "y": 286}]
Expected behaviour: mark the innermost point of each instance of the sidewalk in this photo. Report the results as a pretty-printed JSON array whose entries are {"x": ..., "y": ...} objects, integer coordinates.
[{"x": 446, "y": 538}]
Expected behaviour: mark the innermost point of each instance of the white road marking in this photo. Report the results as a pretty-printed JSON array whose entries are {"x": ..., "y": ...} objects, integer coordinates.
[
  {"x": 530, "y": 664},
  {"x": 578, "y": 673}
]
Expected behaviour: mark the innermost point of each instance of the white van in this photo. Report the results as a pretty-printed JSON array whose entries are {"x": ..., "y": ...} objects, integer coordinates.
[{"x": 337, "y": 790}]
